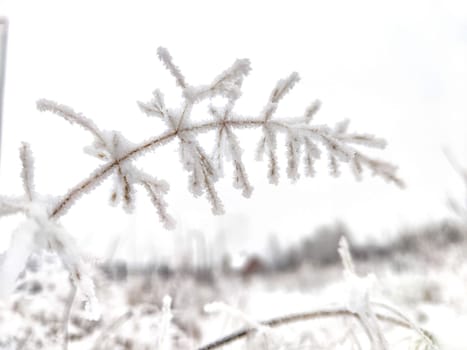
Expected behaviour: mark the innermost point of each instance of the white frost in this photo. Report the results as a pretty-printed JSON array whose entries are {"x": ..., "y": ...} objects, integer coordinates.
[{"x": 21, "y": 246}]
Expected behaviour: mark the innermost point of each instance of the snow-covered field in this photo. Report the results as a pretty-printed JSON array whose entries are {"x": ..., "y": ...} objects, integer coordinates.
[{"x": 429, "y": 286}]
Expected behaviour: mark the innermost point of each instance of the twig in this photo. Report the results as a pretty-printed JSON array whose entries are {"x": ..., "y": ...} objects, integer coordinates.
[
  {"x": 299, "y": 317},
  {"x": 301, "y": 138},
  {"x": 239, "y": 123}
]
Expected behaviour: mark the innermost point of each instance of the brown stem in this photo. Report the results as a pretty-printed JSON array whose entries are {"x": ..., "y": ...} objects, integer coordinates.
[
  {"x": 105, "y": 170},
  {"x": 306, "y": 316},
  {"x": 99, "y": 174}
]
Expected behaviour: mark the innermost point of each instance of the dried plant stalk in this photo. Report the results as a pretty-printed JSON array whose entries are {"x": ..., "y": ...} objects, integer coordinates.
[
  {"x": 308, "y": 316},
  {"x": 302, "y": 141}
]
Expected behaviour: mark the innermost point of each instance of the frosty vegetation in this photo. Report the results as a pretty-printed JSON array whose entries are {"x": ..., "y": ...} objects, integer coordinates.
[
  {"x": 305, "y": 142},
  {"x": 358, "y": 303}
]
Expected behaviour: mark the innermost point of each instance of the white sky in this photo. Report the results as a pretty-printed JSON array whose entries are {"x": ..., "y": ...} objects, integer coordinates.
[{"x": 397, "y": 69}]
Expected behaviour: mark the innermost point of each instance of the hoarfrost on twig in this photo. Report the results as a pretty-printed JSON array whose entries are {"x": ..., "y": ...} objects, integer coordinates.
[{"x": 303, "y": 141}]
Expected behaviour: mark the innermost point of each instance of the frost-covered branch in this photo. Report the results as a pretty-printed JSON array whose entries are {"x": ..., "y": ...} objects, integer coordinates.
[{"x": 304, "y": 142}]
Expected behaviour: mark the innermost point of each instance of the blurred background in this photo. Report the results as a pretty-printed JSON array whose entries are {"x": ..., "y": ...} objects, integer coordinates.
[{"x": 397, "y": 70}]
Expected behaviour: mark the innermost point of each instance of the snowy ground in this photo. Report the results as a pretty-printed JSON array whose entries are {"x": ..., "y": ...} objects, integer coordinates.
[{"x": 429, "y": 287}]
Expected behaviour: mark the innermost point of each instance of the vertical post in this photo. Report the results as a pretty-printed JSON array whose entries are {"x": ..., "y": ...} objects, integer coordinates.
[{"x": 3, "y": 46}]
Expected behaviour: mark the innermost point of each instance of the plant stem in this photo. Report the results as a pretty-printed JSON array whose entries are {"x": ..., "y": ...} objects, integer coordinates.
[
  {"x": 306, "y": 316},
  {"x": 153, "y": 143}
]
